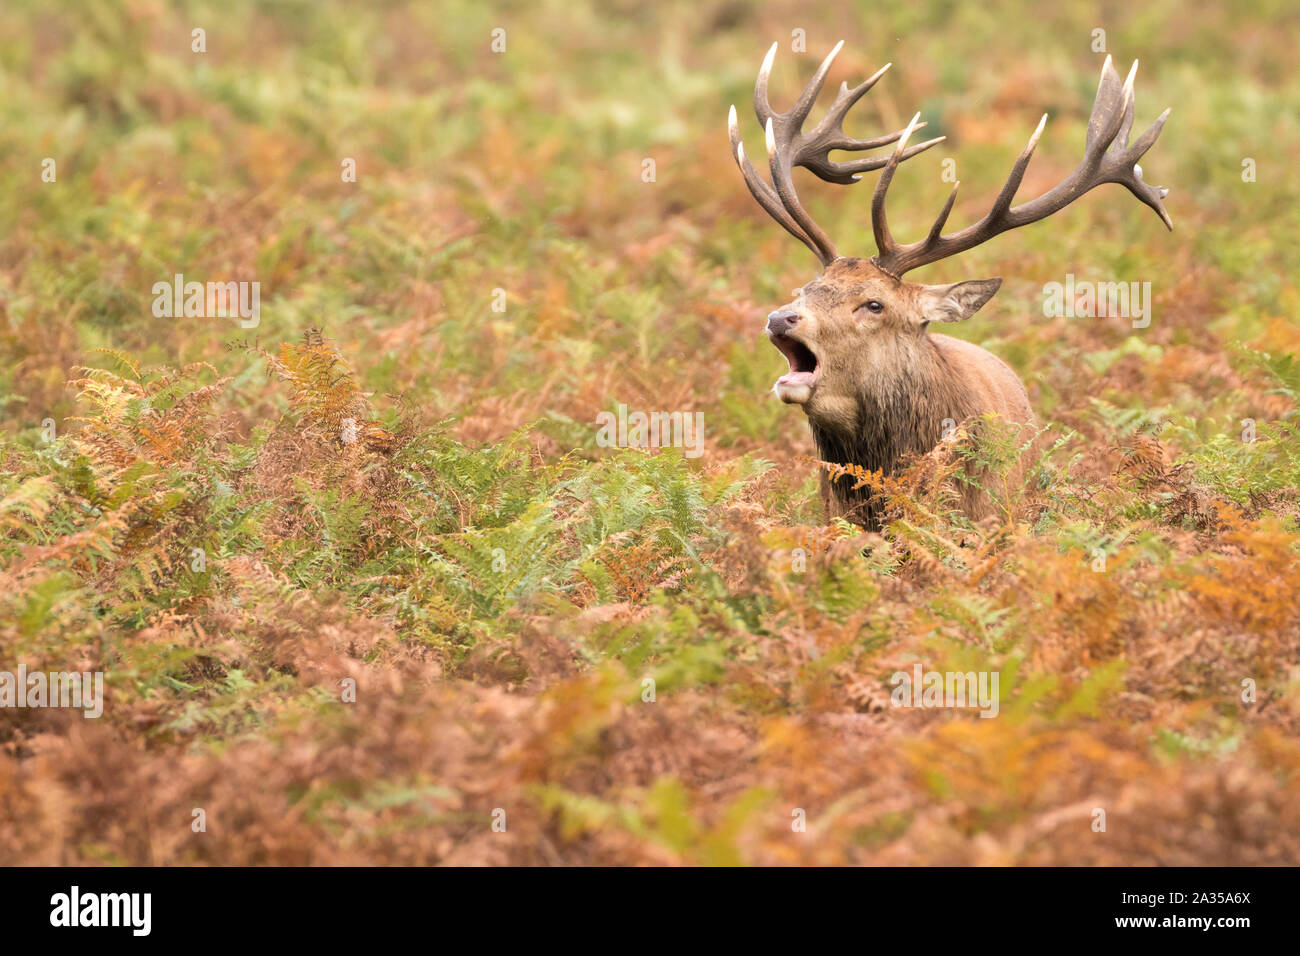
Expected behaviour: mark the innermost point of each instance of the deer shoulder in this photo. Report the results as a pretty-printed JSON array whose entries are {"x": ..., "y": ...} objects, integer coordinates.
[{"x": 997, "y": 387}]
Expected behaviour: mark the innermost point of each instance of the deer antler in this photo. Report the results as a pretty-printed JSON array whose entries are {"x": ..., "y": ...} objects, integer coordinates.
[
  {"x": 788, "y": 146},
  {"x": 1108, "y": 158}
]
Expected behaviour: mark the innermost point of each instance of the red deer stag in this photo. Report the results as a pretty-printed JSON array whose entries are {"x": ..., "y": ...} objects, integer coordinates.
[{"x": 875, "y": 384}]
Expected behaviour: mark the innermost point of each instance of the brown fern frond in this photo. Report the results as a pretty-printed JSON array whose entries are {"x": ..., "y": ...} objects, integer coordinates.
[{"x": 122, "y": 358}]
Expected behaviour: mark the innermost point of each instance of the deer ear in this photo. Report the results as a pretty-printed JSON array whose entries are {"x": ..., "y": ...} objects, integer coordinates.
[{"x": 961, "y": 300}]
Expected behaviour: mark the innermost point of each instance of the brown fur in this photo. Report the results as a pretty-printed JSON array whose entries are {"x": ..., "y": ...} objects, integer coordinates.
[{"x": 886, "y": 384}]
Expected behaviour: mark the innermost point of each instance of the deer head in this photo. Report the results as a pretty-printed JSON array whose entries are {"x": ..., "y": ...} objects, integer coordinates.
[{"x": 856, "y": 337}]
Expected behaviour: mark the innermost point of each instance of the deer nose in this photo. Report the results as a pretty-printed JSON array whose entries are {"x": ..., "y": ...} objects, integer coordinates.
[{"x": 781, "y": 321}]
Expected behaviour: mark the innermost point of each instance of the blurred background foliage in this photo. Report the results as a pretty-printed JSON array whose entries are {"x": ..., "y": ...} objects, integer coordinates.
[{"x": 500, "y": 587}]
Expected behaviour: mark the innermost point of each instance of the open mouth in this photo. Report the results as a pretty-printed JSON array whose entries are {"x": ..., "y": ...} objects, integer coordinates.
[{"x": 803, "y": 362}]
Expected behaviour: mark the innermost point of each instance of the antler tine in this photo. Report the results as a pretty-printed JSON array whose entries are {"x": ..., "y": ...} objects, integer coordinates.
[
  {"x": 849, "y": 172},
  {"x": 1108, "y": 158},
  {"x": 1012, "y": 185},
  {"x": 762, "y": 106},
  {"x": 788, "y": 146},
  {"x": 1107, "y": 109},
  {"x": 815, "y": 147},
  {"x": 885, "y": 245},
  {"x": 844, "y": 101},
  {"x": 781, "y": 165},
  {"x": 803, "y": 106},
  {"x": 1129, "y": 173},
  {"x": 782, "y": 135},
  {"x": 759, "y": 188},
  {"x": 942, "y": 219},
  {"x": 1130, "y": 104}
]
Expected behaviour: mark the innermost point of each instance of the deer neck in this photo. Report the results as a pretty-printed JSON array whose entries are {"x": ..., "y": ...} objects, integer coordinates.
[{"x": 899, "y": 407}]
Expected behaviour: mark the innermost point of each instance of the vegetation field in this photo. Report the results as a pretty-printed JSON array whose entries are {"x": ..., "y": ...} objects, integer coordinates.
[{"x": 366, "y": 586}]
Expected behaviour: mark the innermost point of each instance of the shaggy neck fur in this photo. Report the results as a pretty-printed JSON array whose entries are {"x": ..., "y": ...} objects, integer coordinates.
[{"x": 898, "y": 411}]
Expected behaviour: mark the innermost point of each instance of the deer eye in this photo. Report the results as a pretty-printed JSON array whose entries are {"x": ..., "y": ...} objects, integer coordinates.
[{"x": 874, "y": 306}]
